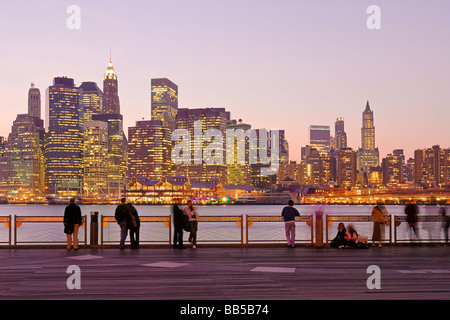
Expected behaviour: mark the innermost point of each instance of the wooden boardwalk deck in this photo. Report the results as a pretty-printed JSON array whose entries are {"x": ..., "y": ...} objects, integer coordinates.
[{"x": 226, "y": 273}]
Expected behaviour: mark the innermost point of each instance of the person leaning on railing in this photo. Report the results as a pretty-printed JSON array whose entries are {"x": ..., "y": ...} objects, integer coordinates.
[
  {"x": 289, "y": 213},
  {"x": 72, "y": 221}
]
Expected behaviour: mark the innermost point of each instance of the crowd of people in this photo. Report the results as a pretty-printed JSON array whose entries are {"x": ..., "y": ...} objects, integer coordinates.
[{"x": 185, "y": 219}]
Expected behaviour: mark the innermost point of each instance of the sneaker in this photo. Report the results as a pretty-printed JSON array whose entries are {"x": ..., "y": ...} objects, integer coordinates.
[{"x": 194, "y": 247}]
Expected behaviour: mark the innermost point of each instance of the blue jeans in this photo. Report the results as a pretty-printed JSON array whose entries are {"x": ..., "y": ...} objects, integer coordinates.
[{"x": 123, "y": 234}]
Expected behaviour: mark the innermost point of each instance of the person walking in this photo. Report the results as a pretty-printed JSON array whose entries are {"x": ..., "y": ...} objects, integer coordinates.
[
  {"x": 180, "y": 221},
  {"x": 72, "y": 222},
  {"x": 289, "y": 213},
  {"x": 445, "y": 223},
  {"x": 134, "y": 226},
  {"x": 123, "y": 217},
  {"x": 411, "y": 211},
  {"x": 192, "y": 215},
  {"x": 378, "y": 223}
]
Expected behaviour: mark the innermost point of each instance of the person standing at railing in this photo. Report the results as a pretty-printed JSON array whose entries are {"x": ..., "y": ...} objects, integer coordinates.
[
  {"x": 72, "y": 222},
  {"x": 180, "y": 221},
  {"x": 445, "y": 223},
  {"x": 123, "y": 216},
  {"x": 411, "y": 211},
  {"x": 134, "y": 226},
  {"x": 191, "y": 212},
  {"x": 378, "y": 223},
  {"x": 289, "y": 213}
]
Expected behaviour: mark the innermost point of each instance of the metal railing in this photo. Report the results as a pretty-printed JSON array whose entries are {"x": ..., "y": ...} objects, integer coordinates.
[
  {"x": 218, "y": 230},
  {"x": 153, "y": 230},
  {"x": 430, "y": 225},
  {"x": 273, "y": 230},
  {"x": 44, "y": 229},
  {"x": 6, "y": 221},
  {"x": 362, "y": 224}
]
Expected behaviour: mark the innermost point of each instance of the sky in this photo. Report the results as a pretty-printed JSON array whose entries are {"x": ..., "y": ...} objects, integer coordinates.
[{"x": 275, "y": 64}]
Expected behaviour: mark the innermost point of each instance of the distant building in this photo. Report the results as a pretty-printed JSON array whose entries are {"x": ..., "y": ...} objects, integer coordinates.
[
  {"x": 319, "y": 138},
  {"x": 149, "y": 150},
  {"x": 95, "y": 158},
  {"x": 164, "y": 101},
  {"x": 340, "y": 135},
  {"x": 392, "y": 166},
  {"x": 92, "y": 100},
  {"x": 212, "y": 118},
  {"x": 368, "y": 155},
  {"x": 111, "y": 102},
  {"x": 239, "y": 173},
  {"x": 432, "y": 166},
  {"x": 346, "y": 168},
  {"x": 34, "y": 102},
  {"x": 64, "y": 143}
]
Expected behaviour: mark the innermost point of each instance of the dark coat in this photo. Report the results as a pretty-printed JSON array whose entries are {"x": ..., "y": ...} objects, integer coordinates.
[
  {"x": 72, "y": 215},
  {"x": 179, "y": 218},
  {"x": 122, "y": 213},
  {"x": 411, "y": 211},
  {"x": 134, "y": 221}
]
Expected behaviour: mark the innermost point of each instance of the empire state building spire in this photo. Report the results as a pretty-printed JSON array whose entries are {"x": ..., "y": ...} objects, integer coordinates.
[{"x": 111, "y": 104}]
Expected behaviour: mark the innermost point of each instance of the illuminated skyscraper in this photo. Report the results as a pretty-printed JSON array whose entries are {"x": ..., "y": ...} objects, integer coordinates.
[
  {"x": 64, "y": 143},
  {"x": 346, "y": 168},
  {"x": 319, "y": 138},
  {"x": 238, "y": 173},
  {"x": 92, "y": 100},
  {"x": 24, "y": 156},
  {"x": 34, "y": 102},
  {"x": 368, "y": 156},
  {"x": 111, "y": 104},
  {"x": 392, "y": 168},
  {"x": 149, "y": 154},
  {"x": 95, "y": 158},
  {"x": 164, "y": 101},
  {"x": 432, "y": 166},
  {"x": 211, "y": 118},
  {"x": 340, "y": 135}
]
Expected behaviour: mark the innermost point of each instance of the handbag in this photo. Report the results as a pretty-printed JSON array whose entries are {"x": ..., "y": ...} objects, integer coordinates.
[{"x": 68, "y": 228}]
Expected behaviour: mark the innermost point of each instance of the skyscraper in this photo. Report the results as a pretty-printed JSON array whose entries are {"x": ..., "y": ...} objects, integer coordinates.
[
  {"x": 111, "y": 104},
  {"x": 392, "y": 168},
  {"x": 211, "y": 118},
  {"x": 34, "y": 102},
  {"x": 340, "y": 135},
  {"x": 92, "y": 100},
  {"x": 367, "y": 156},
  {"x": 149, "y": 150},
  {"x": 346, "y": 168},
  {"x": 95, "y": 158},
  {"x": 64, "y": 143},
  {"x": 238, "y": 173},
  {"x": 319, "y": 138},
  {"x": 164, "y": 101}
]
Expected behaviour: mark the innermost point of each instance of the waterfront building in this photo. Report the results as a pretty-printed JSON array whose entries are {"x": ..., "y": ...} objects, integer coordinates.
[
  {"x": 368, "y": 155},
  {"x": 173, "y": 189},
  {"x": 431, "y": 166},
  {"x": 392, "y": 167},
  {"x": 64, "y": 142}
]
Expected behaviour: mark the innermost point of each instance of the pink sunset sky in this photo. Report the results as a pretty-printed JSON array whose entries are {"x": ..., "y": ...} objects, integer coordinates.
[{"x": 284, "y": 64}]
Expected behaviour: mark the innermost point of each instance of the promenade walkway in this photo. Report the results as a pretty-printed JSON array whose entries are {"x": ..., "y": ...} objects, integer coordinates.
[{"x": 226, "y": 273}]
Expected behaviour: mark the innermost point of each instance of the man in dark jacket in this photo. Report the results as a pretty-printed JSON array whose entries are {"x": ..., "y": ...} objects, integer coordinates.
[
  {"x": 179, "y": 221},
  {"x": 123, "y": 217},
  {"x": 134, "y": 225},
  {"x": 289, "y": 213},
  {"x": 72, "y": 221}
]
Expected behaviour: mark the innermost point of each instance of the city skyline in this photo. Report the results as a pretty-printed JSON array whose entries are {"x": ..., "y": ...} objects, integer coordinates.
[{"x": 269, "y": 81}]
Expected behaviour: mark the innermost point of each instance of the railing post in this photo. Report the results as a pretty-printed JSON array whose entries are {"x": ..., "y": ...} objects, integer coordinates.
[
  {"x": 242, "y": 230},
  {"x": 246, "y": 229},
  {"x": 170, "y": 230},
  {"x": 94, "y": 228},
  {"x": 319, "y": 229},
  {"x": 101, "y": 230},
  {"x": 15, "y": 230},
  {"x": 10, "y": 227}
]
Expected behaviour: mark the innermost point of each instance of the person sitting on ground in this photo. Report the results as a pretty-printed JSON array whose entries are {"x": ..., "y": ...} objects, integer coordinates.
[
  {"x": 339, "y": 241},
  {"x": 351, "y": 237}
]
